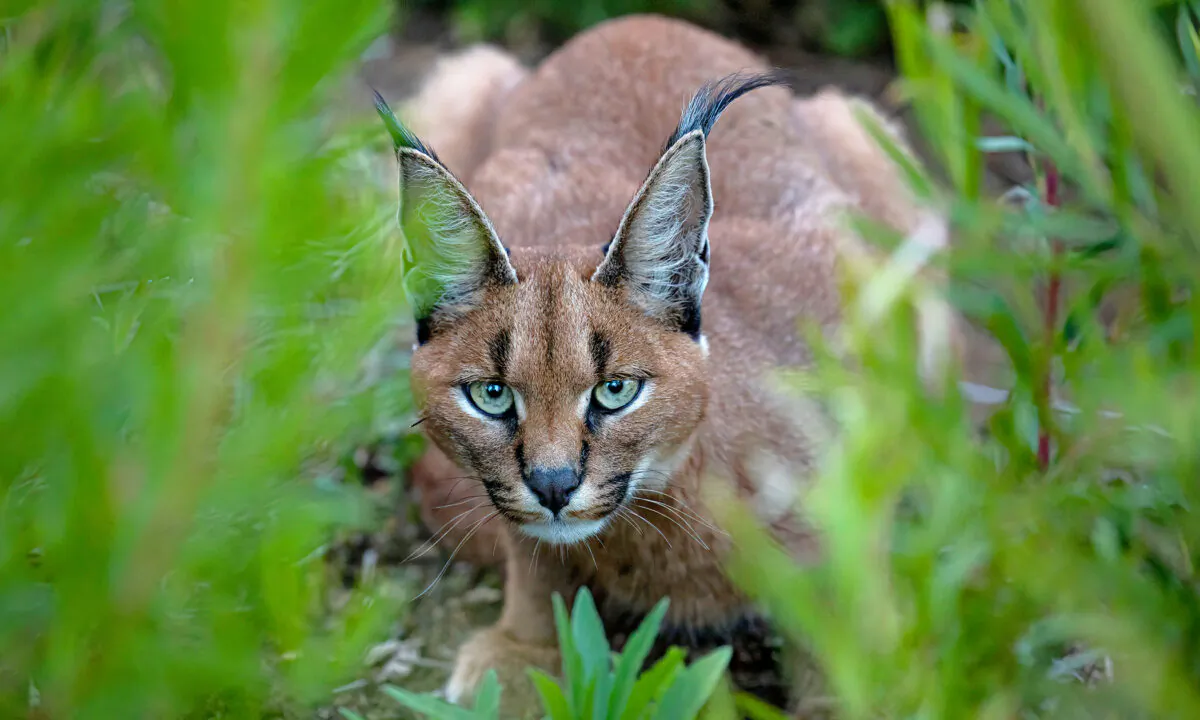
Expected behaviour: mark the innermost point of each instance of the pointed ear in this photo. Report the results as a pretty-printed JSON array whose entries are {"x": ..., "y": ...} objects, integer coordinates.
[
  {"x": 660, "y": 251},
  {"x": 451, "y": 249}
]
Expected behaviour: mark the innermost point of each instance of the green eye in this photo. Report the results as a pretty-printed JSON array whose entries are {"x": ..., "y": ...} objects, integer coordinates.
[
  {"x": 615, "y": 394},
  {"x": 492, "y": 398}
]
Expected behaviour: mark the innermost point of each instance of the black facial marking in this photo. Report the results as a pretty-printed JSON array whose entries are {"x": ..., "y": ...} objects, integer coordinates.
[
  {"x": 519, "y": 451},
  {"x": 583, "y": 458},
  {"x": 614, "y": 491},
  {"x": 498, "y": 350},
  {"x": 424, "y": 330},
  {"x": 689, "y": 321},
  {"x": 547, "y": 302},
  {"x": 601, "y": 353}
]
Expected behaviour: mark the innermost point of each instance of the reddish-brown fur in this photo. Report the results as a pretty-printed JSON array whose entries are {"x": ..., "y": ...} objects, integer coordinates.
[{"x": 570, "y": 146}]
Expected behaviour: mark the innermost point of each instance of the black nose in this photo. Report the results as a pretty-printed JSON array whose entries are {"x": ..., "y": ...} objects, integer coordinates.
[{"x": 553, "y": 486}]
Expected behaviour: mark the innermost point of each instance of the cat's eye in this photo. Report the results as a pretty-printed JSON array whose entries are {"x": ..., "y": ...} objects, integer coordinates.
[
  {"x": 491, "y": 398},
  {"x": 612, "y": 395}
]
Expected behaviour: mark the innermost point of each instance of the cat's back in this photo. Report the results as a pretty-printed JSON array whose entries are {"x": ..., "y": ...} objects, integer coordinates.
[{"x": 573, "y": 142}]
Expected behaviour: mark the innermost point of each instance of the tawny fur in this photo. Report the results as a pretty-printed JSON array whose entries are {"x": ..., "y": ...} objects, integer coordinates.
[{"x": 568, "y": 148}]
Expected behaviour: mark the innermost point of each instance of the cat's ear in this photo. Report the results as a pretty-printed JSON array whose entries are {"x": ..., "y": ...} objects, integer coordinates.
[
  {"x": 660, "y": 251},
  {"x": 451, "y": 249}
]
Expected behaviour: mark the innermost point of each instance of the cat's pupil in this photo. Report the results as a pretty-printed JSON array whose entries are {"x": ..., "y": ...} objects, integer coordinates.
[
  {"x": 494, "y": 390},
  {"x": 615, "y": 386}
]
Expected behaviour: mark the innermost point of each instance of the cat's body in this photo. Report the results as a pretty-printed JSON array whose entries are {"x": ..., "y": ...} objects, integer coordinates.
[{"x": 540, "y": 336}]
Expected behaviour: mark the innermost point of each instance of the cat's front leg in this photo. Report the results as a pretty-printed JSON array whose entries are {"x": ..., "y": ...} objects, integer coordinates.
[
  {"x": 523, "y": 638},
  {"x": 494, "y": 648}
]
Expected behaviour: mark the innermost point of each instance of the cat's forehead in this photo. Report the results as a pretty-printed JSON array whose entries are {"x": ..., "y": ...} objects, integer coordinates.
[
  {"x": 555, "y": 332},
  {"x": 553, "y": 316}
]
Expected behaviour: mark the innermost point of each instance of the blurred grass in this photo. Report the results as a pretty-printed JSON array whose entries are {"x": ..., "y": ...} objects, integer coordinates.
[
  {"x": 1043, "y": 569},
  {"x": 194, "y": 269},
  {"x": 195, "y": 262}
]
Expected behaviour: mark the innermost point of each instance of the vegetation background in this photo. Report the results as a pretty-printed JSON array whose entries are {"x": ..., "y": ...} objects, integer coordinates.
[{"x": 202, "y": 357}]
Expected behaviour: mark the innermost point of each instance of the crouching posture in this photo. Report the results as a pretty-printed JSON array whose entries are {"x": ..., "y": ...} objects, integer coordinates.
[{"x": 602, "y": 287}]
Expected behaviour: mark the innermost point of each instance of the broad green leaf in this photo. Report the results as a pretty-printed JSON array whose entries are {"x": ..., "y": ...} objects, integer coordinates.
[
  {"x": 587, "y": 700},
  {"x": 633, "y": 656},
  {"x": 487, "y": 702},
  {"x": 756, "y": 709},
  {"x": 572, "y": 663},
  {"x": 692, "y": 688},
  {"x": 428, "y": 705},
  {"x": 653, "y": 683},
  {"x": 588, "y": 634},
  {"x": 553, "y": 700},
  {"x": 602, "y": 696},
  {"x": 721, "y": 704}
]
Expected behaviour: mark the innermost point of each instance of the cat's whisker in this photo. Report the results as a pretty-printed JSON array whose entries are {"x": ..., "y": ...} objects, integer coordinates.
[
  {"x": 466, "y": 538},
  {"x": 687, "y": 529},
  {"x": 588, "y": 546},
  {"x": 622, "y": 512},
  {"x": 653, "y": 527},
  {"x": 441, "y": 534},
  {"x": 686, "y": 511},
  {"x": 461, "y": 502},
  {"x": 681, "y": 503},
  {"x": 457, "y": 481},
  {"x": 537, "y": 546}
]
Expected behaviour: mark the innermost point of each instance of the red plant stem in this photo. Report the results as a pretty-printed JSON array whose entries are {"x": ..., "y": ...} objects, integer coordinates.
[{"x": 1050, "y": 328}]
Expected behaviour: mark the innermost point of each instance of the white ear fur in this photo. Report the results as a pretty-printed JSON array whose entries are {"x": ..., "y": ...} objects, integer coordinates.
[
  {"x": 452, "y": 250},
  {"x": 660, "y": 251}
]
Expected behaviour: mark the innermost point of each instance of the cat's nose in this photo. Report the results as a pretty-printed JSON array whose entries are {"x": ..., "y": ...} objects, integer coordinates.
[{"x": 553, "y": 486}]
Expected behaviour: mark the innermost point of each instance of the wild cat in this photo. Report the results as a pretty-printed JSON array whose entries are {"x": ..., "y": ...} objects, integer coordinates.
[{"x": 601, "y": 287}]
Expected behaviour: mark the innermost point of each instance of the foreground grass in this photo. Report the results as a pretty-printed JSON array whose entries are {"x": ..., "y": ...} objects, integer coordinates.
[
  {"x": 1045, "y": 568},
  {"x": 194, "y": 265},
  {"x": 193, "y": 272}
]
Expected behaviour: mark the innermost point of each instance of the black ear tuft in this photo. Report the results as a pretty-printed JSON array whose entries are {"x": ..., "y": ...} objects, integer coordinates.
[
  {"x": 711, "y": 100},
  {"x": 402, "y": 137}
]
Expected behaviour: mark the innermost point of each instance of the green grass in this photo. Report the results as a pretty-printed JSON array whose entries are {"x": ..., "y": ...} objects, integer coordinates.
[
  {"x": 971, "y": 576},
  {"x": 194, "y": 266},
  {"x": 199, "y": 276}
]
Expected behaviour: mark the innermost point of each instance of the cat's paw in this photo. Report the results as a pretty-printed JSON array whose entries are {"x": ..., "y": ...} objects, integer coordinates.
[{"x": 492, "y": 649}]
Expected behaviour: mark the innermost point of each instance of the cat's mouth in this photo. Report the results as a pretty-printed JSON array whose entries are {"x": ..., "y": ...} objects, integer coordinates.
[
  {"x": 585, "y": 515},
  {"x": 563, "y": 530}
]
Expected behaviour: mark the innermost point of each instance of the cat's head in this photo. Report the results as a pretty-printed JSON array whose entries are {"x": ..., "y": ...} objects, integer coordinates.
[{"x": 563, "y": 383}]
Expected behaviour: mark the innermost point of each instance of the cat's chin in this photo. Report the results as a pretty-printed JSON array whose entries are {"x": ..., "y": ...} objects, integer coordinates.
[{"x": 563, "y": 532}]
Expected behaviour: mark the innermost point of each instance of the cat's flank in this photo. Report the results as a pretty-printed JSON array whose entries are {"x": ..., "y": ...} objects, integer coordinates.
[{"x": 601, "y": 287}]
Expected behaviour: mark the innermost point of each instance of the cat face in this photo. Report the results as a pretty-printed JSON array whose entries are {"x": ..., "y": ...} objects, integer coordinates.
[
  {"x": 560, "y": 397},
  {"x": 563, "y": 380}
]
